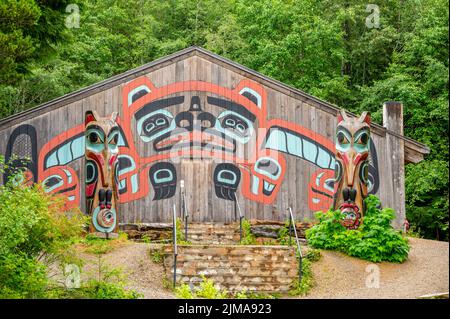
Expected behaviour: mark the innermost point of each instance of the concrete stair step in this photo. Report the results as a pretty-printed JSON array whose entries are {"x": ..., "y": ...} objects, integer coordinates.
[
  {"x": 213, "y": 233},
  {"x": 212, "y": 241},
  {"x": 212, "y": 226},
  {"x": 218, "y": 234}
]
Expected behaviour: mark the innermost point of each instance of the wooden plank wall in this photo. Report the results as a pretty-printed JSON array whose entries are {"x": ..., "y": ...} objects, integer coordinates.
[{"x": 197, "y": 174}]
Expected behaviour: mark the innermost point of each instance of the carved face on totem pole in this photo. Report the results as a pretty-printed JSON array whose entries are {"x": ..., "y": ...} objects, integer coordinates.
[
  {"x": 352, "y": 167},
  {"x": 101, "y": 152}
]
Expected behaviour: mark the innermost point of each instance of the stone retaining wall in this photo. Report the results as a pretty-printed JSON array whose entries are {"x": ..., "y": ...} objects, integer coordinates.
[{"x": 235, "y": 267}]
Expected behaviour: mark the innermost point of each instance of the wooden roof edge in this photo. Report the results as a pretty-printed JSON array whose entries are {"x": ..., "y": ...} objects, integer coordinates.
[
  {"x": 415, "y": 151},
  {"x": 411, "y": 144}
]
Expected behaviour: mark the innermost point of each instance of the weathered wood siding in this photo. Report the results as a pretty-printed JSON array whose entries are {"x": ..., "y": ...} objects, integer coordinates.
[{"x": 203, "y": 204}]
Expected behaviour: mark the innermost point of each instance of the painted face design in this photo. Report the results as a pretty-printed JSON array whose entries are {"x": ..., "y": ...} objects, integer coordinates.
[
  {"x": 352, "y": 167},
  {"x": 101, "y": 152},
  {"x": 321, "y": 189},
  {"x": 263, "y": 178},
  {"x": 190, "y": 122},
  {"x": 191, "y": 119}
]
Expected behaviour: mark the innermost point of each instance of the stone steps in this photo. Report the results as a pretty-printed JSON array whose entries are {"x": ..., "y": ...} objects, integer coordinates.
[
  {"x": 213, "y": 233},
  {"x": 234, "y": 267}
]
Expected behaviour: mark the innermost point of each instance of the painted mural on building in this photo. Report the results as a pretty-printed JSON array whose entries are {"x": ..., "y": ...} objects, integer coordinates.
[
  {"x": 352, "y": 167},
  {"x": 192, "y": 119}
]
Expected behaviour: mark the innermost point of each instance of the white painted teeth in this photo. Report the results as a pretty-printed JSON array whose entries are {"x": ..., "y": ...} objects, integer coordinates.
[
  {"x": 268, "y": 186},
  {"x": 255, "y": 185}
]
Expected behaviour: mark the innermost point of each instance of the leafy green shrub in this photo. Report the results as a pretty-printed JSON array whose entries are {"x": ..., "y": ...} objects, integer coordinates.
[
  {"x": 181, "y": 239},
  {"x": 245, "y": 294},
  {"x": 375, "y": 240},
  {"x": 146, "y": 239},
  {"x": 302, "y": 288},
  {"x": 283, "y": 234},
  {"x": 427, "y": 200},
  {"x": 247, "y": 237},
  {"x": 206, "y": 290},
  {"x": 34, "y": 233},
  {"x": 96, "y": 289},
  {"x": 183, "y": 291},
  {"x": 156, "y": 256},
  {"x": 21, "y": 277}
]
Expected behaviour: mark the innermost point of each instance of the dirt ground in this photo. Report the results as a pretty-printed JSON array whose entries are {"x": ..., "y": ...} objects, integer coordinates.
[
  {"x": 142, "y": 274},
  {"x": 425, "y": 272},
  {"x": 336, "y": 275}
]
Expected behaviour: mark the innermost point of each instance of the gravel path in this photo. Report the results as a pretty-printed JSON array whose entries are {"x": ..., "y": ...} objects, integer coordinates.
[
  {"x": 425, "y": 272},
  {"x": 142, "y": 275}
]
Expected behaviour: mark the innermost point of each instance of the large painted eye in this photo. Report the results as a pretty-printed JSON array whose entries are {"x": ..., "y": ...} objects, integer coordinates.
[
  {"x": 52, "y": 182},
  {"x": 234, "y": 125},
  {"x": 342, "y": 139},
  {"x": 155, "y": 124},
  {"x": 114, "y": 139},
  {"x": 363, "y": 139},
  {"x": 268, "y": 167},
  {"x": 94, "y": 138}
]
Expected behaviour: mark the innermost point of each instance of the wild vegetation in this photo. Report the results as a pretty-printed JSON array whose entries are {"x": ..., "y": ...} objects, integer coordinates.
[
  {"x": 38, "y": 240},
  {"x": 208, "y": 290},
  {"x": 324, "y": 47},
  {"x": 301, "y": 288},
  {"x": 248, "y": 238},
  {"x": 33, "y": 234}
]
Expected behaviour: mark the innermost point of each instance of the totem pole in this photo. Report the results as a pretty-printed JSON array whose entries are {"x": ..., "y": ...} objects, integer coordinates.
[
  {"x": 352, "y": 168},
  {"x": 101, "y": 153}
]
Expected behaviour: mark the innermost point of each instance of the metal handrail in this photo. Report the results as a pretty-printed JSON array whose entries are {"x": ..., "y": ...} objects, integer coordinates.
[
  {"x": 185, "y": 215},
  {"x": 300, "y": 256},
  {"x": 241, "y": 216},
  {"x": 175, "y": 248}
]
